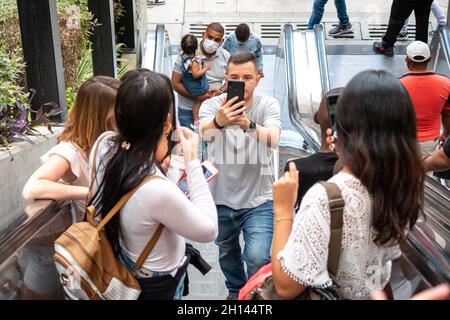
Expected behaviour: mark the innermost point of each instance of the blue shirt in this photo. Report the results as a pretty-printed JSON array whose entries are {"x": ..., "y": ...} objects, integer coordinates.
[{"x": 253, "y": 44}]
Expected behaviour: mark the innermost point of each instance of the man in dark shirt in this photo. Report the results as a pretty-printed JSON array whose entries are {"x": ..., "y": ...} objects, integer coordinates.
[{"x": 318, "y": 166}]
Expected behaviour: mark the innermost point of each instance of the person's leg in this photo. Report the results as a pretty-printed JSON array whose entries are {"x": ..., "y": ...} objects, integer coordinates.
[
  {"x": 230, "y": 257},
  {"x": 342, "y": 11},
  {"x": 257, "y": 226},
  {"x": 422, "y": 10},
  {"x": 317, "y": 13},
  {"x": 400, "y": 11},
  {"x": 439, "y": 14},
  {"x": 185, "y": 117},
  {"x": 195, "y": 111}
]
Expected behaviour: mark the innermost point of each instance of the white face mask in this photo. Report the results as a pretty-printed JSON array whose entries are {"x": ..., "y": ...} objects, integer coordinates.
[{"x": 210, "y": 46}]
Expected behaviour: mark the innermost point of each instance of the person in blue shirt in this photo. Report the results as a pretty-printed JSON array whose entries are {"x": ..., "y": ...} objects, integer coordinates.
[{"x": 242, "y": 39}]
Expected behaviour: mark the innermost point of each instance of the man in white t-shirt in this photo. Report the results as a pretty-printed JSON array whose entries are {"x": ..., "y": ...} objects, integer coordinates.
[
  {"x": 241, "y": 137},
  {"x": 210, "y": 48}
]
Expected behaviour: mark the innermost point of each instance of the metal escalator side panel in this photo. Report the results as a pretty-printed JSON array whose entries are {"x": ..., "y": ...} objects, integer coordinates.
[
  {"x": 301, "y": 77},
  {"x": 157, "y": 51}
]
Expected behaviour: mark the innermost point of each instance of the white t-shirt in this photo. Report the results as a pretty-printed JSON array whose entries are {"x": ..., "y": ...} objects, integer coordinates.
[
  {"x": 161, "y": 201},
  {"x": 363, "y": 265},
  {"x": 245, "y": 165},
  {"x": 78, "y": 165}
]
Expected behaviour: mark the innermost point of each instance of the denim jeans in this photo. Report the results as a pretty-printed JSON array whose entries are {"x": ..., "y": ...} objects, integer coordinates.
[
  {"x": 257, "y": 227},
  {"x": 185, "y": 117},
  {"x": 319, "y": 8}
]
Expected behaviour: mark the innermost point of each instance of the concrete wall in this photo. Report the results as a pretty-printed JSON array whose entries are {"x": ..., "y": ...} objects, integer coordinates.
[{"x": 17, "y": 163}]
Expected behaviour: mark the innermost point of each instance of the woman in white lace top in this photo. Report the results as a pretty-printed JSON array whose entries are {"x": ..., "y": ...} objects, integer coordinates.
[{"x": 382, "y": 187}]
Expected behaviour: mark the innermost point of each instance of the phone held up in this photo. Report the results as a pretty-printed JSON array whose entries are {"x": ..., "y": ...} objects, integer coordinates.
[
  {"x": 236, "y": 89},
  {"x": 209, "y": 171},
  {"x": 331, "y": 105}
]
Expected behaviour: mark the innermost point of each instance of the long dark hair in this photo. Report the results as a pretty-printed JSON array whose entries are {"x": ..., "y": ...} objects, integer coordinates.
[
  {"x": 143, "y": 103},
  {"x": 376, "y": 128}
]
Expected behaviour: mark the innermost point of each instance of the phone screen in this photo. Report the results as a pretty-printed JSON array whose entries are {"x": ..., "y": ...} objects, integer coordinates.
[
  {"x": 331, "y": 103},
  {"x": 182, "y": 184},
  {"x": 208, "y": 174},
  {"x": 236, "y": 88}
]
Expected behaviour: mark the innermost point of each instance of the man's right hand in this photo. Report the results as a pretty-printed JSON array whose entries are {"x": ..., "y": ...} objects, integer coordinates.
[{"x": 229, "y": 112}]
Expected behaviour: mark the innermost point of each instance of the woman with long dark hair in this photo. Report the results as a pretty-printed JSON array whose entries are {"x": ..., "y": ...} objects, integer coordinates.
[
  {"x": 381, "y": 183},
  {"x": 145, "y": 117}
]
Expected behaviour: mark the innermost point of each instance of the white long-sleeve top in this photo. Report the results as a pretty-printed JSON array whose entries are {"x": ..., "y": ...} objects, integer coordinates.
[{"x": 161, "y": 201}]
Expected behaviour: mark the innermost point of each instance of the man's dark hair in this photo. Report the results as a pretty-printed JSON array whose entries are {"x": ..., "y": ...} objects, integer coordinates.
[
  {"x": 189, "y": 44},
  {"x": 242, "y": 32},
  {"x": 242, "y": 57},
  {"x": 215, "y": 26}
]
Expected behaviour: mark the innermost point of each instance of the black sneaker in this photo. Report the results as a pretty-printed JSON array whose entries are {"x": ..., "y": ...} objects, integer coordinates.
[
  {"x": 341, "y": 29},
  {"x": 402, "y": 36},
  {"x": 378, "y": 48}
]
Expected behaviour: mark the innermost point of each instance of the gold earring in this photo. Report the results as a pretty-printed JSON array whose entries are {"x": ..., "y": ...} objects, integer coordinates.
[{"x": 169, "y": 130}]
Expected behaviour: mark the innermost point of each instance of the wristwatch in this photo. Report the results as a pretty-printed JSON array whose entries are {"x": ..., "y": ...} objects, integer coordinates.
[{"x": 252, "y": 126}]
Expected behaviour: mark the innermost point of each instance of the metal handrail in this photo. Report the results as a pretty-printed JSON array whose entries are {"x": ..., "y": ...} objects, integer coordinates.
[
  {"x": 444, "y": 35},
  {"x": 322, "y": 55},
  {"x": 159, "y": 48},
  {"x": 288, "y": 39},
  {"x": 26, "y": 225}
]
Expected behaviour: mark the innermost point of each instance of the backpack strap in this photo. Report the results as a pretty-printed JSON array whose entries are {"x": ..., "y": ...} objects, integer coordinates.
[
  {"x": 90, "y": 211},
  {"x": 152, "y": 242},
  {"x": 337, "y": 205},
  {"x": 149, "y": 247},
  {"x": 121, "y": 202}
]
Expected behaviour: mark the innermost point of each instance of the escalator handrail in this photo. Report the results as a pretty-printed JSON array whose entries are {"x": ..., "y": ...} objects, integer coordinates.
[
  {"x": 444, "y": 36},
  {"x": 25, "y": 226},
  {"x": 159, "y": 48},
  {"x": 288, "y": 34},
  {"x": 319, "y": 31}
]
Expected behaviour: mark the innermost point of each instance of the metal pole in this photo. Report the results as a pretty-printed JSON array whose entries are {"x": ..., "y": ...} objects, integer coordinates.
[
  {"x": 42, "y": 53},
  {"x": 103, "y": 38}
]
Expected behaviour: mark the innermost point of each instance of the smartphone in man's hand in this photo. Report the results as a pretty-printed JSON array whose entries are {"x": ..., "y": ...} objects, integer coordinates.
[{"x": 236, "y": 89}]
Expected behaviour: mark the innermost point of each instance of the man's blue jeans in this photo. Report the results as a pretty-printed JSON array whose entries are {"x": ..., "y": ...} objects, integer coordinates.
[
  {"x": 257, "y": 227},
  {"x": 319, "y": 8},
  {"x": 185, "y": 117}
]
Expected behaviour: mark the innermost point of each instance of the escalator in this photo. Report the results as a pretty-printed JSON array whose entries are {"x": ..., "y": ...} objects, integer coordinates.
[
  {"x": 298, "y": 72},
  {"x": 313, "y": 68}
]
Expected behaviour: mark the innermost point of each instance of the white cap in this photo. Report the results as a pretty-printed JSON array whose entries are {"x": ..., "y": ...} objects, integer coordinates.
[{"x": 418, "y": 51}]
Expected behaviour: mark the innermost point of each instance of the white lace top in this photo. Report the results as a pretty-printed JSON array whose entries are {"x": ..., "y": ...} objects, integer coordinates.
[{"x": 363, "y": 266}]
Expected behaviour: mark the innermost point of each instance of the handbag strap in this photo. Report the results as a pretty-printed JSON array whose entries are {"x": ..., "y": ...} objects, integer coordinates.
[{"x": 337, "y": 204}]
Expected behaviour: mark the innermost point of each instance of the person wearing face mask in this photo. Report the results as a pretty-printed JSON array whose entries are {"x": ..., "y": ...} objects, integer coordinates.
[
  {"x": 242, "y": 39},
  {"x": 214, "y": 55}
]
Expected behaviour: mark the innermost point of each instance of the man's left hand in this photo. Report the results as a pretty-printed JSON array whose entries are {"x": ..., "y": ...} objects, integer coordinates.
[{"x": 243, "y": 122}]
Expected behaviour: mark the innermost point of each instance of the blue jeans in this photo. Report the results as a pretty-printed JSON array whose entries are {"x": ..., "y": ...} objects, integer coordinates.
[
  {"x": 185, "y": 117},
  {"x": 319, "y": 8},
  {"x": 257, "y": 226}
]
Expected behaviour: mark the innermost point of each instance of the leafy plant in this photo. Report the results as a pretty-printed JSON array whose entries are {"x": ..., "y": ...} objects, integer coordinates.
[{"x": 15, "y": 123}]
